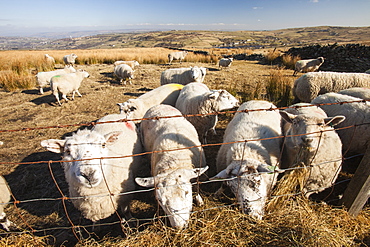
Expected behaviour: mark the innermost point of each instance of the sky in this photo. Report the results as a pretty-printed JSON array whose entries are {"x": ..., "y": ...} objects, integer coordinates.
[{"x": 25, "y": 17}]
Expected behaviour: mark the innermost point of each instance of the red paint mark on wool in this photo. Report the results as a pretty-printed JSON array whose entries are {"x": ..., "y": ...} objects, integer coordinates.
[{"x": 130, "y": 125}]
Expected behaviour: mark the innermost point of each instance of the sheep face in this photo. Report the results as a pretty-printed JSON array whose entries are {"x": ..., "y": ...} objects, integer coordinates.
[
  {"x": 307, "y": 130},
  {"x": 250, "y": 181},
  {"x": 196, "y": 73},
  {"x": 174, "y": 193},
  {"x": 83, "y": 151},
  {"x": 224, "y": 99}
]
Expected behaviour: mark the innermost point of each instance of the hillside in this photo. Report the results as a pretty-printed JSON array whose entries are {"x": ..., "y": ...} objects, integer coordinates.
[{"x": 200, "y": 39}]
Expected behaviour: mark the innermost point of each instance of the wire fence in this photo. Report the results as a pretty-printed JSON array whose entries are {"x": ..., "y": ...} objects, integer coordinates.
[{"x": 64, "y": 199}]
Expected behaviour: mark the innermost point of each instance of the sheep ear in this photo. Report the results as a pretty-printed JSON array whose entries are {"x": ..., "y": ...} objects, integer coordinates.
[
  {"x": 332, "y": 121},
  {"x": 221, "y": 175},
  {"x": 287, "y": 116},
  {"x": 145, "y": 182},
  {"x": 53, "y": 145},
  {"x": 112, "y": 137},
  {"x": 214, "y": 94},
  {"x": 199, "y": 171}
]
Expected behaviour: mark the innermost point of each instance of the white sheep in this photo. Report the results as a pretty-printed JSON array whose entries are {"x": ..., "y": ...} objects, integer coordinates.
[
  {"x": 358, "y": 92},
  {"x": 179, "y": 55},
  {"x": 172, "y": 170},
  {"x": 95, "y": 184},
  {"x": 49, "y": 59},
  {"x": 136, "y": 108},
  {"x": 4, "y": 200},
  {"x": 196, "y": 98},
  {"x": 67, "y": 83},
  {"x": 124, "y": 72},
  {"x": 311, "y": 142},
  {"x": 183, "y": 75},
  {"x": 225, "y": 62},
  {"x": 70, "y": 59},
  {"x": 356, "y": 139},
  {"x": 43, "y": 78},
  {"x": 311, "y": 84},
  {"x": 249, "y": 165},
  {"x": 132, "y": 63},
  {"x": 308, "y": 65}
]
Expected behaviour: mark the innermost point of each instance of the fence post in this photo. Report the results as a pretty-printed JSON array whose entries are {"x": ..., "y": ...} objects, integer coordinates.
[{"x": 358, "y": 190}]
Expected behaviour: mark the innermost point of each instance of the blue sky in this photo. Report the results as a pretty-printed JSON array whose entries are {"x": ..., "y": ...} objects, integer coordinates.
[{"x": 30, "y": 16}]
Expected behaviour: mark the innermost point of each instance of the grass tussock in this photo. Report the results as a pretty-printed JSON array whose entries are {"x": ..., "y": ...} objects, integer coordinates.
[
  {"x": 271, "y": 56},
  {"x": 289, "y": 61},
  {"x": 279, "y": 88}
]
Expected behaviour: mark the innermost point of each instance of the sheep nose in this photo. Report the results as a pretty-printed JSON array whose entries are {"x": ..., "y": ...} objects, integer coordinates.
[{"x": 307, "y": 140}]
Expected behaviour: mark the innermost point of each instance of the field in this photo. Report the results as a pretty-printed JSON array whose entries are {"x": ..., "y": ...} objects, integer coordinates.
[{"x": 45, "y": 219}]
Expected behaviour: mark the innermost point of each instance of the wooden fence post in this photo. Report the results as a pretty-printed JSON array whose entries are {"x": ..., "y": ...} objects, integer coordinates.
[{"x": 358, "y": 190}]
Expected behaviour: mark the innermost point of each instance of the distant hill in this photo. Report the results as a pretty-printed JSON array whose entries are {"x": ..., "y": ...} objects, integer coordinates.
[{"x": 199, "y": 39}]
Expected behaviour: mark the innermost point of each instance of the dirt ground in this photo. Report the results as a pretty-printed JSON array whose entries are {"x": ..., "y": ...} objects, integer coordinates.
[{"x": 25, "y": 109}]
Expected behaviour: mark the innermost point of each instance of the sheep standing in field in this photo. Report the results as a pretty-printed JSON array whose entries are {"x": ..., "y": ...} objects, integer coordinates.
[
  {"x": 49, "y": 59},
  {"x": 183, "y": 75},
  {"x": 124, "y": 72},
  {"x": 43, "y": 78},
  {"x": 132, "y": 63},
  {"x": 358, "y": 92},
  {"x": 310, "y": 85},
  {"x": 95, "y": 184},
  {"x": 136, "y": 108},
  {"x": 179, "y": 55},
  {"x": 249, "y": 166},
  {"x": 355, "y": 140},
  {"x": 308, "y": 65},
  {"x": 67, "y": 83},
  {"x": 196, "y": 98},
  {"x": 172, "y": 170},
  {"x": 4, "y": 198},
  {"x": 312, "y": 143},
  {"x": 225, "y": 62},
  {"x": 70, "y": 59}
]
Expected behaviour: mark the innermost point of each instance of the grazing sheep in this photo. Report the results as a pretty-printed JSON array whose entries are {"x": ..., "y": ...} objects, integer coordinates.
[
  {"x": 196, "y": 98},
  {"x": 311, "y": 84},
  {"x": 225, "y": 62},
  {"x": 311, "y": 142},
  {"x": 136, "y": 108},
  {"x": 70, "y": 59},
  {"x": 43, "y": 78},
  {"x": 172, "y": 170},
  {"x": 49, "y": 59},
  {"x": 356, "y": 139},
  {"x": 95, "y": 184},
  {"x": 179, "y": 55},
  {"x": 124, "y": 72},
  {"x": 358, "y": 92},
  {"x": 183, "y": 75},
  {"x": 4, "y": 199},
  {"x": 248, "y": 166},
  {"x": 308, "y": 65},
  {"x": 67, "y": 83},
  {"x": 132, "y": 63}
]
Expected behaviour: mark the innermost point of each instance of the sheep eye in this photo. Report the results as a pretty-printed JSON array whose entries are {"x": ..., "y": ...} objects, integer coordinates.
[{"x": 104, "y": 145}]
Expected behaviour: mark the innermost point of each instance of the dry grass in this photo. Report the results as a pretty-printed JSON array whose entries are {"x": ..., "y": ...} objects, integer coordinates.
[{"x": 293, "y": 221}]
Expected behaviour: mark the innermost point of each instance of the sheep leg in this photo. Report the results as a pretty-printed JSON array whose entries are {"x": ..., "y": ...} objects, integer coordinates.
[
  {"x": 64, "y": 97},
  {"x": 56, "y": 95},
  {"x": 41, "y": 90},
  {"x": 199, "y": 200},
  {"x": 78, "y": 93}
]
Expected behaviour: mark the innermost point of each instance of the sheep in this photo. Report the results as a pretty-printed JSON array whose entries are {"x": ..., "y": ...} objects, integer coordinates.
[
  {"x": 308, "y": 65},
  {"x": 311, "y": 84},
  {"x": 311, "y": 142},
  {"x": 356, "y": 139},
  {"x": 225, "y": 62},
  {"x": 70, "y": 59},
  {"x": 132, "y": 63},
  {"x": 43, "y": 78},
  {"x": 196, "y": 98},
  {"x": 249, "y": 166},
  {"x": 172, "y": 170},
  {"x": 136, "y": 108},
  {"x": 179, "y": 55},
  {"x": 49, "y": 59},
  {"x": 358, "y": 92},
  {"x": 183, "y": 75},
  {"x": 124, "y": 72},
  {"x": 67, "y": 83},
  {"x": 4, "y": 199},
  {"x": 95, "y": 185}
]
